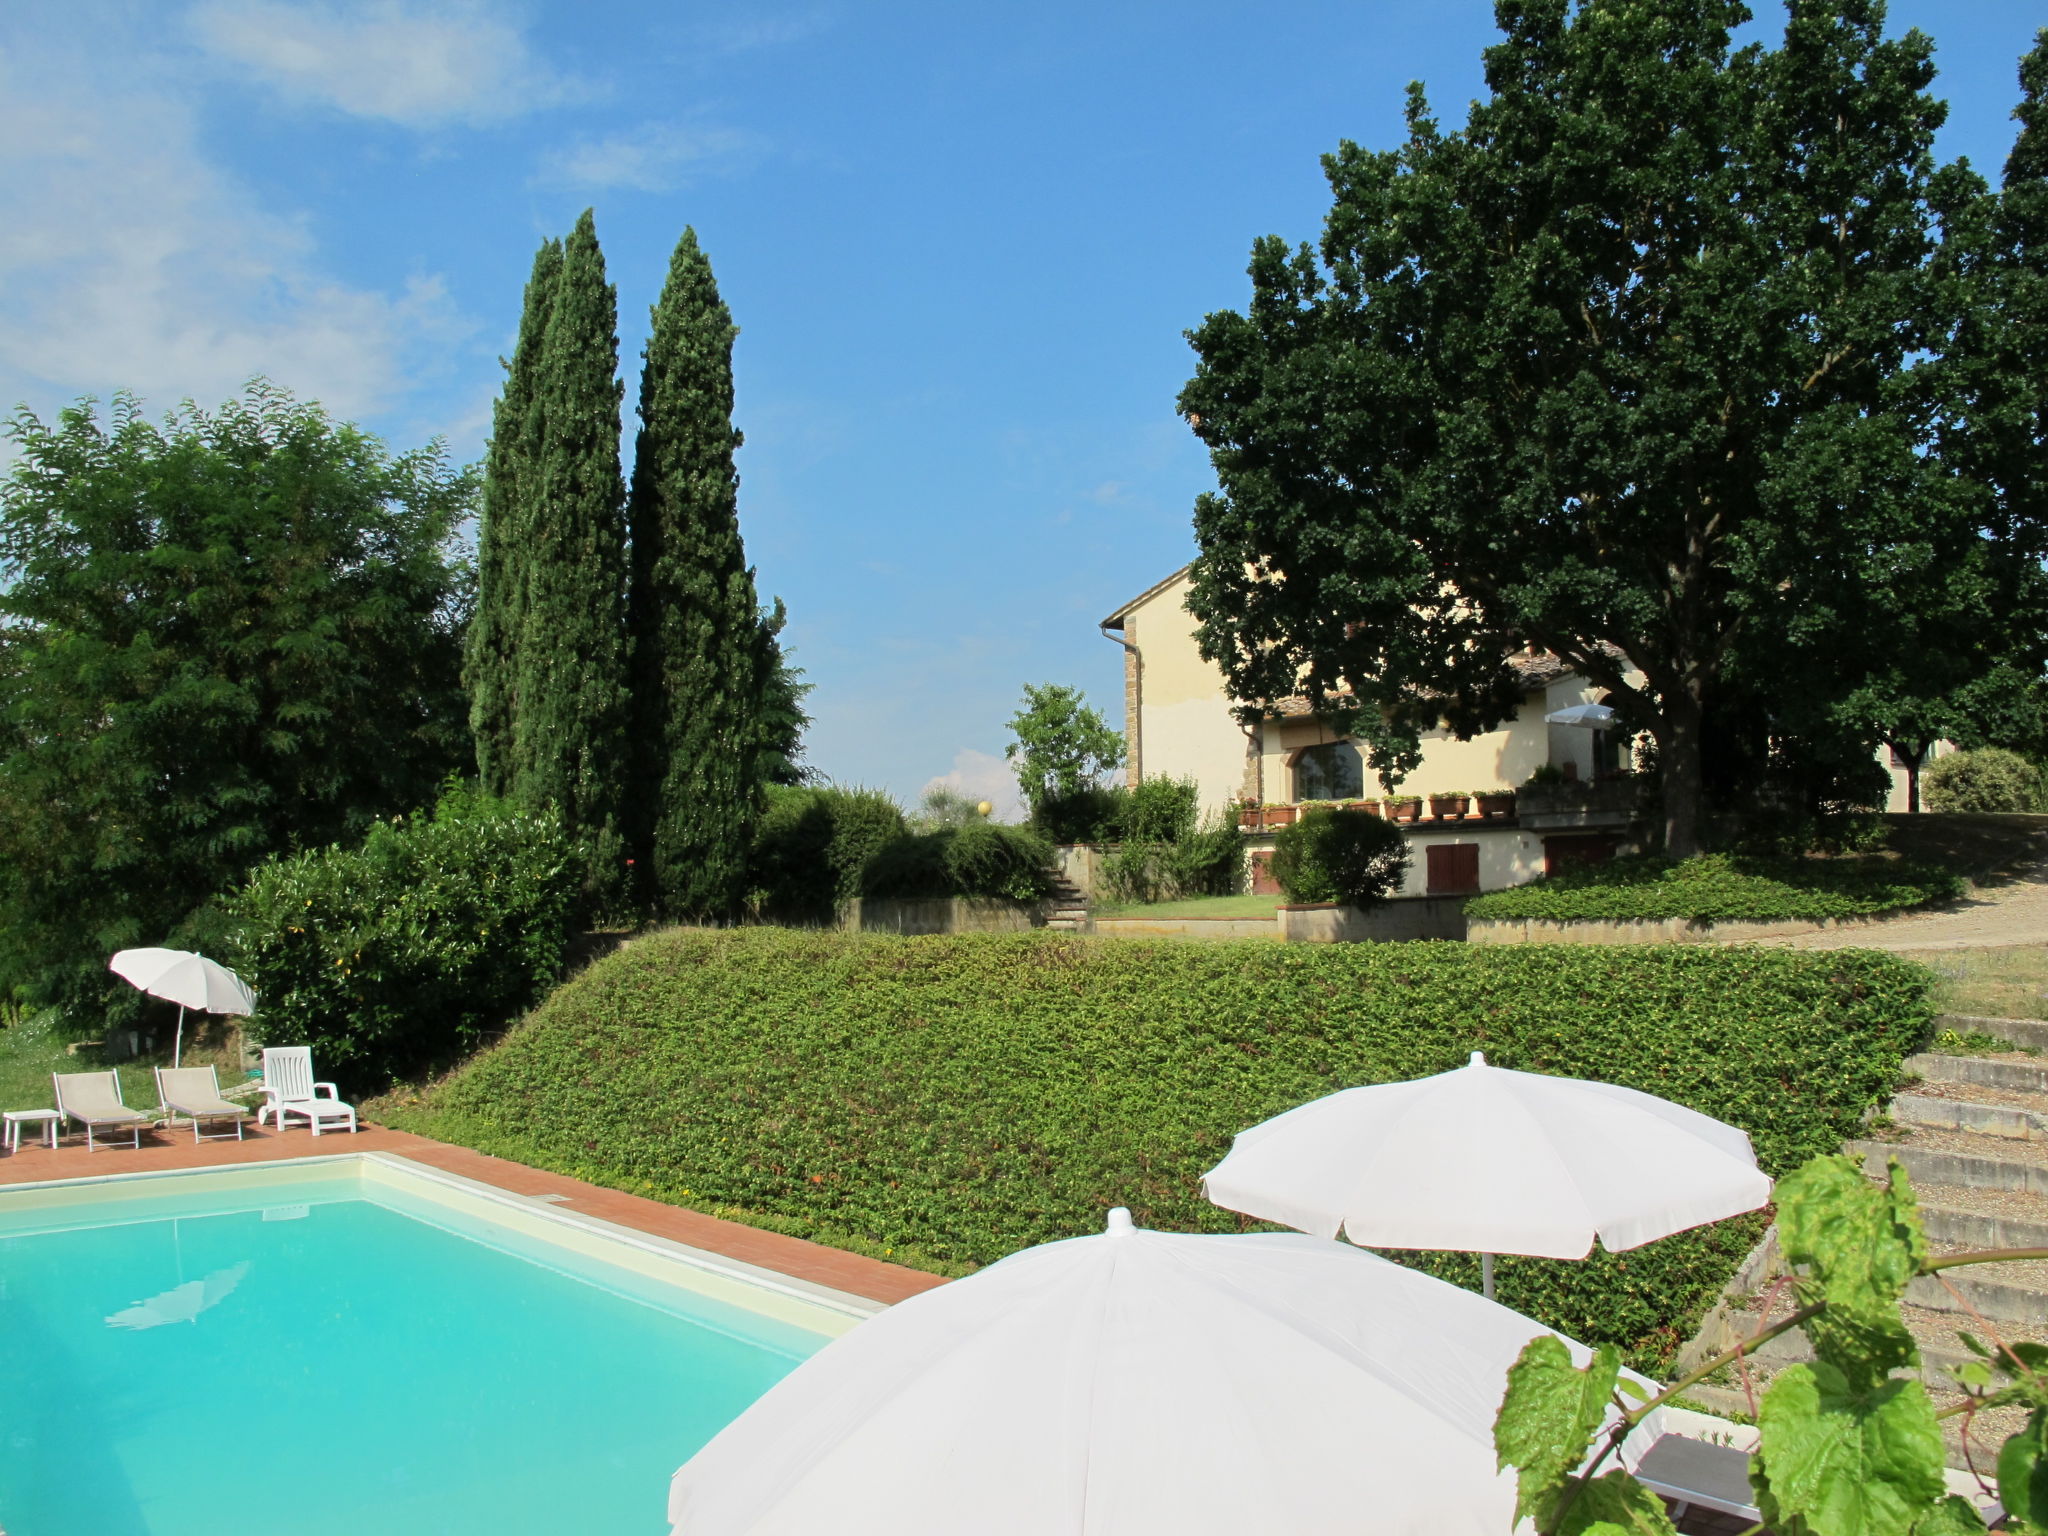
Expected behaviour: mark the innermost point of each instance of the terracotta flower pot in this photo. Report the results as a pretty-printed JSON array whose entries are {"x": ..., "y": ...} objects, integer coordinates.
[
  {"x": 1404, "y": 810},
  {"x": 1447, "y": 807},
  {"x": 1281, "y": 816},
  {"x": 1497, "y": 807},
  {"x": 1250, "y": 818},
  {"x": 1370, "y": 807}
]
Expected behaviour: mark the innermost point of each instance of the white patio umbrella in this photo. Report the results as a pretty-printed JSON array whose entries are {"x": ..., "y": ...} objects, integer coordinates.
[
  {"x": 189, "y": 980},
  {"x": 1593, "y": 716},
  {"x": 1136, "y": 1384},
  {"x": 1482, "y": 1159}
]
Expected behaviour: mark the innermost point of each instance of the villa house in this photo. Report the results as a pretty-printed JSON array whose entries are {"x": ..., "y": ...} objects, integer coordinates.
[{"x": 1178, "y": 722}]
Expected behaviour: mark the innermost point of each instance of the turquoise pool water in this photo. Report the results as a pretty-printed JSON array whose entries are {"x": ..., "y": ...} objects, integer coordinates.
[{"x": 331, "y": 1358}]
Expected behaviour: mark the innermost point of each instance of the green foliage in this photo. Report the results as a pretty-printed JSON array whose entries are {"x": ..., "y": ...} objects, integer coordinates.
[
  {"x": 812, "y": 849},
  {"x": 1093, "y": 814},
  {"x": 1060, "y": 747},
  {"x": 943, "y": 806},
  {"x": 1345, "y": 856},
  {"x": 400, "y": 953},
  {"x": 704, "y": 661},
  {"x": 223, "y": 637},
  {"x": 967, "y": 1095},
  {"x": 1850, "y": 1444},
  {"x": 511, "y": 491},
  {"x": 569, "y": 740},
  {"x": 980, "y": 858},
  {"x": 1722, "y": 888},
  {"x": 1163, "y": 850},
  {"x": 1651, "y": 359},
  {"x": 783, "y": 720},
  {"x": 1988, "y": 779}
]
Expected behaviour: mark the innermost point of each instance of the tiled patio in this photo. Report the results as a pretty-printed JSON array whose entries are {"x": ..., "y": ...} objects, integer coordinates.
[{"x": 166, "y": 1149}]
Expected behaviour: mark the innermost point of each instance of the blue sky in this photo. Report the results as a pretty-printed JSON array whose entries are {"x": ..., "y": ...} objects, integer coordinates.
[{"x": 962, "y": 243}]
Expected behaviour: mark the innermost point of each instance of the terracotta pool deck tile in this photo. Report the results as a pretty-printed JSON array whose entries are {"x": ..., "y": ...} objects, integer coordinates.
[{"x": 792, "y": 1256}]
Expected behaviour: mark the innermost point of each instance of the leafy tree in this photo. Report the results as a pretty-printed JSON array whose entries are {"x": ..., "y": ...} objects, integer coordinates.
[
  {"x": 783, "y": 720},
  {"x": 706, "y": 662},
  {"x": 1635, "y": 368},
  {"x": 510, "y": 490},
  {"x": 569, "y": 721},
  {"x": 229, "y": 636},
  {"x": 1061, "y": 747}
]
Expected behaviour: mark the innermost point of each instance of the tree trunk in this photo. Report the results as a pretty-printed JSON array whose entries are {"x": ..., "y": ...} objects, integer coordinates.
[
  {"x": 1682, "y": 771},
  {"x": 1913, "y": 762}
]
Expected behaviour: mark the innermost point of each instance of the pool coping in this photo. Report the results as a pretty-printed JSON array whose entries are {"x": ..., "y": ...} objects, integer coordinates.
[
  {"x": 531, "y": 1208},
  {"x": 795, "y": 1264}
]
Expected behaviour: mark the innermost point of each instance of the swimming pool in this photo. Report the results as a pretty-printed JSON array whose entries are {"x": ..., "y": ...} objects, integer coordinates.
[{"x": 356, "y": 1344}]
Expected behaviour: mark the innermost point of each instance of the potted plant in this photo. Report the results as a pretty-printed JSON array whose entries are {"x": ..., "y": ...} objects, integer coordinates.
[
  {"x": 1448, "y": 805},
  {"x": 1404, "y": 807},
  {"x": 1370, "y": 807},
  {"x": 1280, "y": 815},
  {"x": 1250, "y": 818},
  {"x": 1494, "y": 804}
]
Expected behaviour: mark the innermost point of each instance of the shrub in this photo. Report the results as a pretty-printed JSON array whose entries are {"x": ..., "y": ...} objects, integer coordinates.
[
  {"x": 1988, "y": 779},
  {"x": 983, "y": 858},
  {"x": 812, "y": 848},
  {"x": 1347, "y": 856},
  {"x": 1723, "y": 887},
  {"x": 1089, "y": 815},
  {"x": 966, "y": 1095},
  {"x": 403, "y": 952},
  {"x": 1159, "y": 810}
]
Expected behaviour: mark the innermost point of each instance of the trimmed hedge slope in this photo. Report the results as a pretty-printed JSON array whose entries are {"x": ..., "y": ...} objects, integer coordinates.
[
  {"x": 952, "y": 1099},
  {"x": 1723, "y": 888}
]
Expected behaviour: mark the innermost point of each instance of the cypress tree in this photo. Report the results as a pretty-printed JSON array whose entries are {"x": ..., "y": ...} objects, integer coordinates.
[
  {"x": 489, "y": 662},
  {"x": 703, "y": 656},
  {"x": 569, "y": 745}
]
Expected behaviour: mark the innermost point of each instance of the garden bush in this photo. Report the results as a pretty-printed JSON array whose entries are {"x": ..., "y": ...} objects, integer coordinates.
[
  {"x": 812, "y": 848},
  {"x": 1163, "y": 851},
  {"x": 1345, "y": 856},
  {"x": 403, "y": 952},
  {"x": 981, "y": 858},
  {"x": 1723, "y": 888},
  {"x": 1989, "y": 779},
  {"x": 948, "y": 1100}
]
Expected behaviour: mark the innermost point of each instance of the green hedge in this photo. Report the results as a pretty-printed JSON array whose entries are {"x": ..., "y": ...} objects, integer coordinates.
[
  {"x": 1723, "y": 888},
  {"x": 948, "y": 1100},
  {"x": 401, "y": 953}
]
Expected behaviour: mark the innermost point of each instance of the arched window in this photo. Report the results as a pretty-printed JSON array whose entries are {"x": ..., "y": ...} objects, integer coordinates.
[{"x": 1333, "y": 771}]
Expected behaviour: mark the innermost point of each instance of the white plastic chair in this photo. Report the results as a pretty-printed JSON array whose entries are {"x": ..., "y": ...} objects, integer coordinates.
[{"x": 289, "y": 1089}]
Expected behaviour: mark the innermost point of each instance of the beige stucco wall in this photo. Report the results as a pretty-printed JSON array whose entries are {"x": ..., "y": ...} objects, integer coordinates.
[
  {"x": 1497, "y": 759},
  {"x": 1900, "y": 800},
  {"x": 1505, "y": 858},
  {"x": 1185, "y": 727}
]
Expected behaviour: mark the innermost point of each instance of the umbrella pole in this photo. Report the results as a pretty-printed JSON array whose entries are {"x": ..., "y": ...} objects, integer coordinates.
[
  {"x": 178, "y": 1046},
  {"x": 1486, "y": 1275}
]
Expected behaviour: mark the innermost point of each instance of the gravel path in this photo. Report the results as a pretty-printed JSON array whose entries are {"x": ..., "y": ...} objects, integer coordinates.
[{"x": 1992, "y": 917}]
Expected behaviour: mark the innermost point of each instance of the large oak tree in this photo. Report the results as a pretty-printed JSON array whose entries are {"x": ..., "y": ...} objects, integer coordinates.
[{"x": 1638, "y": 367}]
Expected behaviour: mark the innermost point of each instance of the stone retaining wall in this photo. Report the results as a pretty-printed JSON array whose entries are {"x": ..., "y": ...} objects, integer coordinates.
[
  {"x": 1664, "y": 930},
  {"x": 1402, "y": 919},
  {"x": 941, "y": 914},
  {"x": 1186, "y": 927}
]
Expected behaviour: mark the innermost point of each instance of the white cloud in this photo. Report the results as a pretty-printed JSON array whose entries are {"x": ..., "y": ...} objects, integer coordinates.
[
  {"x": 655, "y": 157},
  {"x": 420, "y": 63},
  {"x": 983, "y": 776},
  {"x": 128, "y": 260}
]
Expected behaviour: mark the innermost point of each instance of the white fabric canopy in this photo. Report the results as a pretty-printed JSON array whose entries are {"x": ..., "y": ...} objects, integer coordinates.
[
  {"x": 191, "y": 981},
  {"x": 1596, "y": 716},
  {"x": 1487, "y": 1160},
  {"x": 1136, "y": 1384},
  {"x": 181, "y": 977}
]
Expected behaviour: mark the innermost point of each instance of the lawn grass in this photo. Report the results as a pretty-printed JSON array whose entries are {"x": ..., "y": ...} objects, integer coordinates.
[
  {"x": 1996, "y": 983},
  {"x": 1199, "y": 906}
]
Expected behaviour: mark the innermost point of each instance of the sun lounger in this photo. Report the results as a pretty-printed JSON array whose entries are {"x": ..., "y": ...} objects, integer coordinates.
[
  {"x": 194, "y": 1092},
  {"x": 289, "y": 1089},
  {"x": 93, "y": 1099}
]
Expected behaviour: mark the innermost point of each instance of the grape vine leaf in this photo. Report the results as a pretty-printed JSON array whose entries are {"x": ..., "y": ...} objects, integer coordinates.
[
  {"x": 1860, "y": 1245},
  {"x": 1842, "y": 1458},
  {"x": 2023, "y": 1471},
  {"x": 1547, "y": 1421}
]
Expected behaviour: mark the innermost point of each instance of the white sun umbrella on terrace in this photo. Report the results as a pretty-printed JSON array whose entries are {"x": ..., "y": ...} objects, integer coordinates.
[
  {"x": 189, "y": 980},
  {"x": 1137, "y": 1384},
  {"x": 1482, "y": 1159},
  {"x": 1595, "y": 717}
]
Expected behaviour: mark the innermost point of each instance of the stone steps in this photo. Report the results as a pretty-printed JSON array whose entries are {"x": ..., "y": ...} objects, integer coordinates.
[{"x": 1068, "y": 907}]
